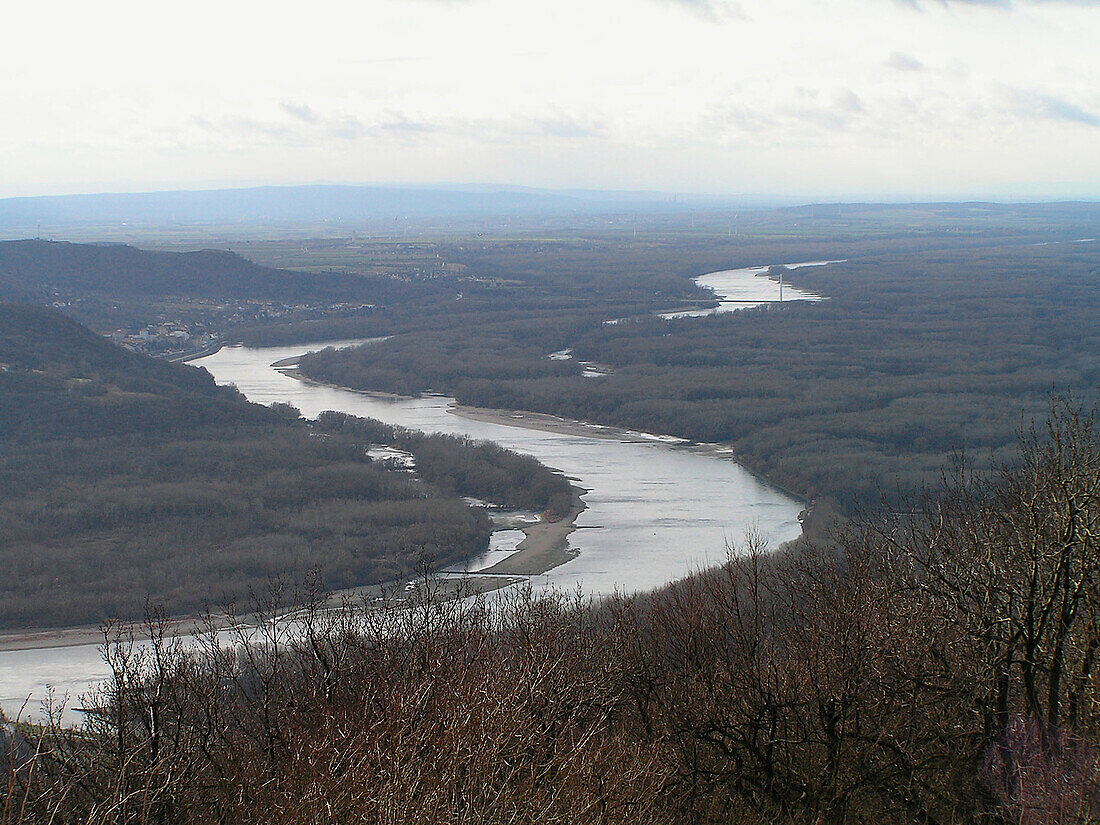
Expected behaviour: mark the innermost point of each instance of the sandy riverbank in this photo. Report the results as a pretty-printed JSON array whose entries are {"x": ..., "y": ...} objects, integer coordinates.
[
  {"x": 88, "y": 635},
  {"x": 289, "y": 368},
  {"x": 566, "y": 426},
  {"x": 546, "y": 544},
  {"x": 392, "y": 593}
]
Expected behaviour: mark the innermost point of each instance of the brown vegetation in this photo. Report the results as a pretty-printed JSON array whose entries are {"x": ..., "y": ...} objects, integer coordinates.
[{"x": 936, "y": 666}]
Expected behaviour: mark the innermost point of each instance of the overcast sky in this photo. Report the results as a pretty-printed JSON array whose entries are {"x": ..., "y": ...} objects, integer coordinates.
[{"x": 813, "y": 98}]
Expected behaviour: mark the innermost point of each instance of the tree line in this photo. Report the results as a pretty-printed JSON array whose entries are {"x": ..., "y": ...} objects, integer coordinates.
[{"x": 461, "y": 466}]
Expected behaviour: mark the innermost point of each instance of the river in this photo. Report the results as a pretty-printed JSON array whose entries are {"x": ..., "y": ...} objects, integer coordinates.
[
  {"x": 658, "y": 508},
  {"x": 748, "y": 287}
]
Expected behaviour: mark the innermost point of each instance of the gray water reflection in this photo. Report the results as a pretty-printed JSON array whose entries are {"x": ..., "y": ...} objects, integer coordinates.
[
  {"x": 656, "y": 510},
  {"x": 26, "y": 676},
  {"x": 747, "y": 287}
]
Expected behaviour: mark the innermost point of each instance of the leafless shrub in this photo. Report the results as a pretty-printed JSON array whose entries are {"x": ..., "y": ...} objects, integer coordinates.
[
  {"x": 936, "y": 667},
  {"x": 1040, "y": 780}
]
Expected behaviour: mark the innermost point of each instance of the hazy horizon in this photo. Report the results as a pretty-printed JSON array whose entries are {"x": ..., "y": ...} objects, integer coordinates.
[
  {"x": 762, "y": 200},
  {"x": 812, "y": 100}
]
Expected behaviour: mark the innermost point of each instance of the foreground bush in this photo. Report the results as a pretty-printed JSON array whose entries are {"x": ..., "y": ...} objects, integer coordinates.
[{"x": 932, "y": 666}]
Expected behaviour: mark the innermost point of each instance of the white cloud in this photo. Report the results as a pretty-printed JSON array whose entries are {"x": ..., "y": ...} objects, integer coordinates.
[
  {"x": 776, "y": 95},
  {"x": 998, "y": 4},
  {"x": 1032, "y": 104},
  {"x": 712, "y": 10},
  {"x": 903, "y": 62}
]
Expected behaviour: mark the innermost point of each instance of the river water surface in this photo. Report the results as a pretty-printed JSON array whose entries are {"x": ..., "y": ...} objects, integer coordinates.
[
  {"x": 657, "y": 508},
  {"x": 746, "y": 288}
]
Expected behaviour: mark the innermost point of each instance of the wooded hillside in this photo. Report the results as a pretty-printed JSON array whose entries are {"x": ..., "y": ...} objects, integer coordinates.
[{"x": 125, "y": 478}]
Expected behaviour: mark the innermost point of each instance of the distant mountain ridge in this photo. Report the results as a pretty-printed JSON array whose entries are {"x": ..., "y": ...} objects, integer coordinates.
[
  {"x": 34, "y": 267},
  {"x": 346, "y": 203}
]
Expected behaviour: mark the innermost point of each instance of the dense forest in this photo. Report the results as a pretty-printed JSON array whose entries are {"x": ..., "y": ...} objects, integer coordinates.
[
  {"x": 916, "y": 354},
  {"x": 124, "y": 477},
  {"x": 456, "y": 465},
  {"x": 933, "y": 667}
]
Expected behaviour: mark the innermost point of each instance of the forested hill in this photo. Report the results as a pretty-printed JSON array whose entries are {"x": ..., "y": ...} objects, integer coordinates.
[
  {"x": 124, "y": 477},
  {"x": 45, "y": 268},
  {"x": 58, "y": 379},
  {"x": 12, "y": 291}
]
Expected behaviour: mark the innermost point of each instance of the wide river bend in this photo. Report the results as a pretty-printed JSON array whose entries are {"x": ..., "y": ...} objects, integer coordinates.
[{"x": 658, "y": 508}]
